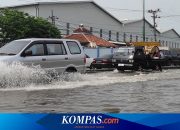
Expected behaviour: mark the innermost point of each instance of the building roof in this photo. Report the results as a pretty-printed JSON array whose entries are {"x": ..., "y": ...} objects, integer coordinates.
[
  {"x": 105, "y": 11},
  {"x": 84, "y": 36},
  {"x": 139, "y": 20},
  {"x": 171, "y": 30},
  {"x": 65, "y": 2},
  {"x": 48, "y": 2},
  {"x": 130, "y": 21}
]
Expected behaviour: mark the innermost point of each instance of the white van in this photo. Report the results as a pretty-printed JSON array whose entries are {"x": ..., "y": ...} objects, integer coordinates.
[{"x": 63, "y": 55}]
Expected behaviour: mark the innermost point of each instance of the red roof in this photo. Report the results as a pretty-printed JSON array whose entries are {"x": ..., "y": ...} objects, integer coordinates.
[
  {"x": 89, "y": 38},
  {"x": 84, "y": 36}
]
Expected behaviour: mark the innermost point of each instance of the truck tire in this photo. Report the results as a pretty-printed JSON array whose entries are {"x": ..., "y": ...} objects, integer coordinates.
[
  {"x": 98, "y": 68},
  {"x": 138, "y": 68},
  {"x": 169, "y": 62},
  {"x": 120, "y": 70},
  {"x": 158, "y": 67}
]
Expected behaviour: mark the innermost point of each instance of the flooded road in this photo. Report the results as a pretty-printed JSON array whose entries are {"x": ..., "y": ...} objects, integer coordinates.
[{"x": 110, "y": 91}]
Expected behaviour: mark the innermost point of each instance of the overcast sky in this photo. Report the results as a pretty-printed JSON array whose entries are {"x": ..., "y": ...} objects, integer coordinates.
[{"x": 132, "y": 10}]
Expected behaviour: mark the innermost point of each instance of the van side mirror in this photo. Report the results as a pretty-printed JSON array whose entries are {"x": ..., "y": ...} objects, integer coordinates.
[{"x": 27, "y": 53}]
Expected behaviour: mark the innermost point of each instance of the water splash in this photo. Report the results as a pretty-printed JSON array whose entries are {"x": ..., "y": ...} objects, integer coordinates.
[{"x": 19, "y": 77}]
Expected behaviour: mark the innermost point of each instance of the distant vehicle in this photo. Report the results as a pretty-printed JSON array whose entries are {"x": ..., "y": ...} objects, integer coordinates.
[
  {"x": 171, "y": 57},
  {"x": 63, "y": 55},
  {"x": 89, "y": 61},
  {"x": 135, "y": 58},
  {"x": 103, "y": 62},
  {"x": 167, "y": 57},
  {"x": 175, "y": 57}
]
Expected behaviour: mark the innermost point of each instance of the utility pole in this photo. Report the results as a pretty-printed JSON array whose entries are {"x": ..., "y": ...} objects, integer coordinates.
[
  {"x": 53, "y": 18},
  {"x": 154, "y": 16},
  {"x": 144, "y": 22}
]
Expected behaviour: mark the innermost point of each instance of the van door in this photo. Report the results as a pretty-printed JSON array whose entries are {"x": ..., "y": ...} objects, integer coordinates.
[
  {"x": 76, "y": 54},
  {"x": 34, "y": 54},
  {"x": 57, "y": 57}
]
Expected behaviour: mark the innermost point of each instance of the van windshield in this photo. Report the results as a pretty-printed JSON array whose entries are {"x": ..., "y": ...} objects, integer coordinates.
[
  {"x": 13, "y": 47},
  {"x": 126, "y": 51}
]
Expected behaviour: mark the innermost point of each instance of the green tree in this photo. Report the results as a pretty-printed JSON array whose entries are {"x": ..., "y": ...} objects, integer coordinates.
[{"x": 17, "y": 25}]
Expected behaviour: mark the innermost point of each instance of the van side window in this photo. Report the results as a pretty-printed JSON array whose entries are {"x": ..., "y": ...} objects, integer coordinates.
[
  {"x": 36, "y": 49},
  {"x": 73, "y": 47},
  {"x": 56, "y": 49}
]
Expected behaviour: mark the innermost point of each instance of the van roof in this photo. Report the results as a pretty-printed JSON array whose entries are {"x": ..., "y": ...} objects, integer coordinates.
[{"x": 46, "y": 39}]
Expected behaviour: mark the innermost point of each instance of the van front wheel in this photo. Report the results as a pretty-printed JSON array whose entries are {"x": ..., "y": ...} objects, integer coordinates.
[{"x": 71, "y": 70}]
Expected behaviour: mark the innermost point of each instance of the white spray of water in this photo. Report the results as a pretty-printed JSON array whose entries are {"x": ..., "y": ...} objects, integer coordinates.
[{"x": 19, "y": 77}]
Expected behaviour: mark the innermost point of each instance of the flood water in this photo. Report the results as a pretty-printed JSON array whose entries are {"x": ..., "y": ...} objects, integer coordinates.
[{"x": 25, "y": 89}]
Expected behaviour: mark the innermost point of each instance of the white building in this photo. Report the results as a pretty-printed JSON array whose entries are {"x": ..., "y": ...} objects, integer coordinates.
[
  {"x": 74, "y": 12},
  {"x": 170, "y": 38},
  {"x": 68, "y": 15},
  {"x": 134, "y": 31}
]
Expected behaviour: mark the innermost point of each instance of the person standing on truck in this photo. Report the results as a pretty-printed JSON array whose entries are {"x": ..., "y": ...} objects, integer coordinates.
[
  {"x": 156, "y": 53},
  {"x": 157, "y": 56}
]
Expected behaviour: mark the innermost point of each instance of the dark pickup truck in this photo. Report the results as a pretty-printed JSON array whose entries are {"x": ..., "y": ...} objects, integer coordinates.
[
  {"x": 134, "y": 58},
  {"x": 171, "y": 57}
]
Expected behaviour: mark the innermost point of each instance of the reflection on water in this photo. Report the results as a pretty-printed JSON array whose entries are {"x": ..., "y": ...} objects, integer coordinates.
[{"x": 27, "y": 90}]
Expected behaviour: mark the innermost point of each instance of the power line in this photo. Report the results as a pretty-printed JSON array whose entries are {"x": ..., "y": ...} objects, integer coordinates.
[
  {"x": 136, "y": 10},
  {"x": 126, "y": 9},
  {"x": 118, "y": 9},
  {"x": 139, "y": 11},
  {"x": 168, "y": 16}
]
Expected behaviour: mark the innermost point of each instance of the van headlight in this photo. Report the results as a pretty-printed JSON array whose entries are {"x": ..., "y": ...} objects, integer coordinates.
[
  {"x": 131, "y": 57},
  {"x": 131, "y": 61}
]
